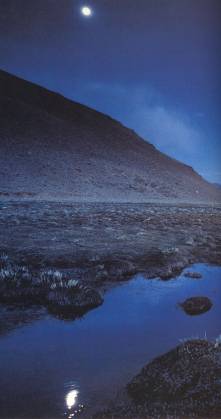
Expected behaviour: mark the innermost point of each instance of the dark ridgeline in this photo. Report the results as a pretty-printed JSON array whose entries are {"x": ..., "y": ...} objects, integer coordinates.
[{"x": 53, "y": 148}]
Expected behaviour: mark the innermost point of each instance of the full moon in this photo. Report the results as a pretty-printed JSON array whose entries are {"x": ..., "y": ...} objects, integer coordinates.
[{"x": 86, "y": 11}]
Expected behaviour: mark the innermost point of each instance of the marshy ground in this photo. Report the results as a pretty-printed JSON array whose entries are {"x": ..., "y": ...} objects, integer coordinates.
[
  {"x": 63, "y": 256},
  {"x": 145, "y": 236},
  {"x": 66, "y": 259}
]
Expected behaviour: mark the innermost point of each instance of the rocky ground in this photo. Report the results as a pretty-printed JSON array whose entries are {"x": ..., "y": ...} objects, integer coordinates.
[
  {"x": 64, "y": 256},
  {"x": 185, "y": 382}
]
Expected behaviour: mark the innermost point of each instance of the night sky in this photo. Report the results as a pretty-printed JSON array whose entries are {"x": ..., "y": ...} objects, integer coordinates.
[{"x": 152, "y": 64}]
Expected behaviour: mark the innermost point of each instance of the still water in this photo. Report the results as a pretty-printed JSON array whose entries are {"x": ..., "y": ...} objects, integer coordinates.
[{"x": 51, "y": 368}]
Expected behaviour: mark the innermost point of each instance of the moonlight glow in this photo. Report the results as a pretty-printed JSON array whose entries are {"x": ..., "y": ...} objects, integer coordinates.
[
  {"x": 86, "y": 11},
  {"x": 71, "y": 399}
]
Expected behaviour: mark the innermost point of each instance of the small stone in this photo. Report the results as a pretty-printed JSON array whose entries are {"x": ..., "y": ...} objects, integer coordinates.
[
  {"x": 190, "y": 242},
  {"x": 194, "y": 275}
]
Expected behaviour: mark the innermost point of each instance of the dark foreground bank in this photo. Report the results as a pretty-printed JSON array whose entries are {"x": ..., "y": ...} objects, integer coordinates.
[{"x": 185, "y": 382}]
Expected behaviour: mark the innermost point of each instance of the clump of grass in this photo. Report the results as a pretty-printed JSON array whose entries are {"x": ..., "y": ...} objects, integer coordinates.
[
  {"x": 52, "y": 279},
  {"x": 72, "y": 283},
  {"x": 50, "y": 287},
  {"x": 14, "y": 275},
  {"x": 218, "y": 341},
  {"x": 7, "y": 274},
  {"x": 55, "y": 279},
  {"x": 48, "y": 276},
  {"x": 4, "y": 260},
  {"x": 193, "y": 337}
]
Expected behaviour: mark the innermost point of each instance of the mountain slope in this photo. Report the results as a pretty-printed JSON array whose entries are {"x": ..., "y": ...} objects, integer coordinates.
[{"x": 53, "y": 148}]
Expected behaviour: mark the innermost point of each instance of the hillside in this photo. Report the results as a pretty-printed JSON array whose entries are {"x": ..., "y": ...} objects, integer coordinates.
[{"x": 53, "y": 148}]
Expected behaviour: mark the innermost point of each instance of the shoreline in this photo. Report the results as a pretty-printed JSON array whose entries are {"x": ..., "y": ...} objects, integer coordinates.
[{"x": 86, "y": 248}]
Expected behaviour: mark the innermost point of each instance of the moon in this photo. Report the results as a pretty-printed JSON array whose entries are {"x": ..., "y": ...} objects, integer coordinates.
[{"x": 86, "y": 11}]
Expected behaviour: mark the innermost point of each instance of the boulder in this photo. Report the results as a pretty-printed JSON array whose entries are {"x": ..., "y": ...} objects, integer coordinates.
[{"x": 194, "y": 275}]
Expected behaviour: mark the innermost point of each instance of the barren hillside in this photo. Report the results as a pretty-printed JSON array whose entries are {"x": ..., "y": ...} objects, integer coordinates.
[{"x": 53, "y": 148}]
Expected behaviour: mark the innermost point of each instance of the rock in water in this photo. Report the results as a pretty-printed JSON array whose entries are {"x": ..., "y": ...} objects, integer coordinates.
[
  {"x": 194, "y": 275},
  {"x": 196, "y": 305}
]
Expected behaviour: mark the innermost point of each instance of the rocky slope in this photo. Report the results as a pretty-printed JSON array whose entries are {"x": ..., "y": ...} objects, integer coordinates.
[{"x": 53, "y": 148}]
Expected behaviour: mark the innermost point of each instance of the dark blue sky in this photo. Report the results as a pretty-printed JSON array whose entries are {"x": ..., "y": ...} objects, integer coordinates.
[{"x": 152, "y": 64}]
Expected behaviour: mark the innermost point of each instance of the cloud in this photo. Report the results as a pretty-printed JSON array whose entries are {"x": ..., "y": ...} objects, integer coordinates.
[
  {"x": 143, "y": 109},
  {"x": 170, "y": 131}
]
